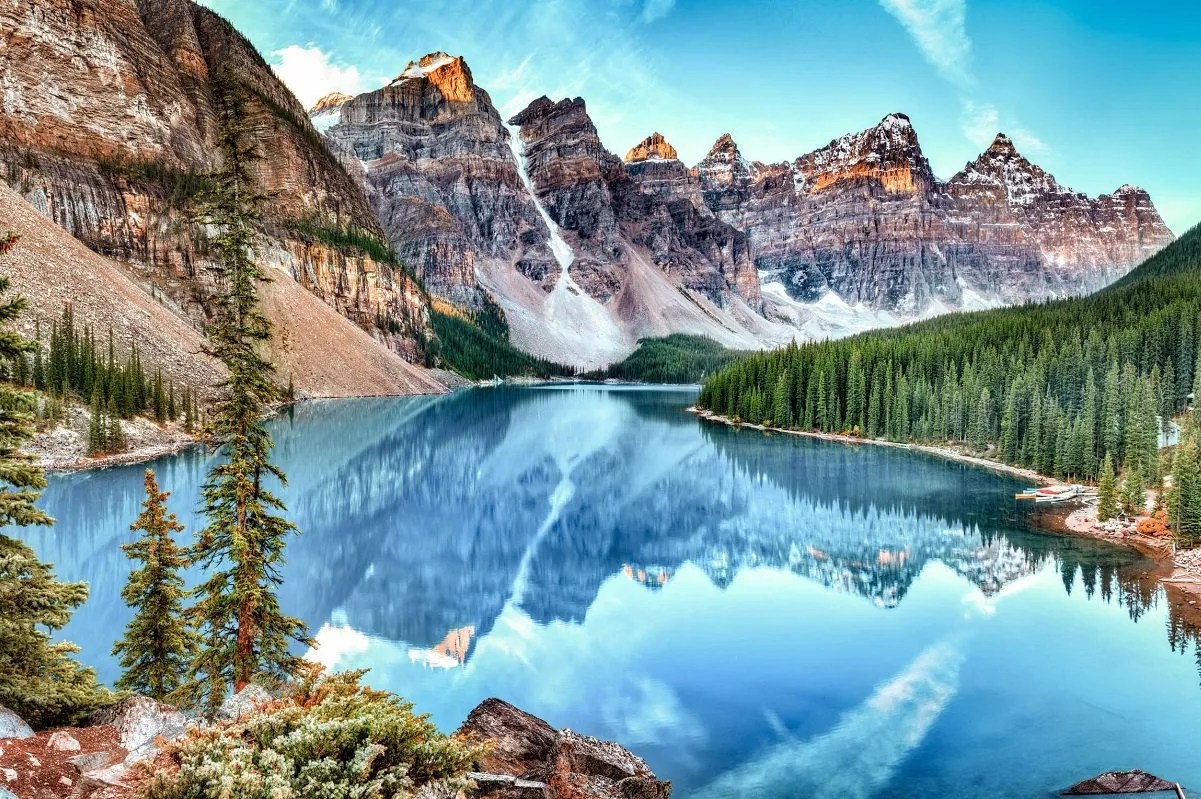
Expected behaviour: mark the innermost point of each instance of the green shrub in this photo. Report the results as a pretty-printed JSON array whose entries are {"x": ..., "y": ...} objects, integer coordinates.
[{"x": 327, "y": 736}]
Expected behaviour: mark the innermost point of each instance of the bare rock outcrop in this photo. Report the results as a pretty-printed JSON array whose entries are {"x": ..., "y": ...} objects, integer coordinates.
[
  {"x": 652, "y": 147},
  {"x": 108, "y": 123},
  {"x": 528, "y": 757},
  {"x": 13, "y": 726},
  {"x": 1120, "y": 782},
  {"x": 142, "y": 725}
]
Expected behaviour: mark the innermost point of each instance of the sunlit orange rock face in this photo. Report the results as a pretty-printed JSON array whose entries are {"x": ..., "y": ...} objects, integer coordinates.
[
  {"x": 443, "y": 179},
  {"x": 107, "y": 120},
  {"x": 887, "y": 154},
  {"x": 653, "y": 146}
]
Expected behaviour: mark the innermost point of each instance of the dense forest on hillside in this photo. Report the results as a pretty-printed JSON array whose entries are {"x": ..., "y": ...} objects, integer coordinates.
[
  {"x": 678, "y": 358},
  {"x": 479, "y": 349},
  {"x": 1054, "y": 387}
]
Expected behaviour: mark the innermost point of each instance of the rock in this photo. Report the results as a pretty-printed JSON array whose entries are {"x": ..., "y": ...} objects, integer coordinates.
[
  {"x": 653, "y": 146},
  {"x": 529, "y": 759},
  {"x": 62, "y": 741},
  {"x": 243, "y": 703},
  {"x": 142, "y": 723},
  {"x": 10, "y": 775},
  {"x": 113, "y": 151},
  {"x": 13, "y": 726},
  {"x": 1116, "y": 782},
  {"x": 1002, "y": 229},
  {"x": 90, "y": 761},
  {"x": 521, "y": 744},
  {"x": 93, "y": 782},
  {"x": 506, "y": 786},
  {"x": 644, "y": 788}
]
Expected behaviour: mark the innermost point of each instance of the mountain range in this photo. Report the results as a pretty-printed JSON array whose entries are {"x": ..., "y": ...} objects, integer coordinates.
[
  {"x": 586, "y": 253},
  {"x": 419, "y": 198}
]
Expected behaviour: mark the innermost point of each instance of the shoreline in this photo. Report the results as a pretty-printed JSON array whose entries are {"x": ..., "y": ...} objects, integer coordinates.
[
  {"x": 1161, "y": 552},
  {"x": 942, "y": 452}
]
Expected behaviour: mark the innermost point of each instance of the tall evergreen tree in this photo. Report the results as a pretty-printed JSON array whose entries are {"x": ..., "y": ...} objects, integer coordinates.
[
  {"x": 1134, "y": 491},
  {"x": 237, "y": 611},
  {"x": 157, "y": 647},
  {"x": 38, "y": 678},
  {"x": 1184, "y": 511},
  {"x": 1107, "y": 491}
]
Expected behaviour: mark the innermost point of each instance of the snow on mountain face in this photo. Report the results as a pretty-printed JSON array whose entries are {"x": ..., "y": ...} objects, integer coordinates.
[
  {"x": 889, "y": 153},
  {"x": 327, "y": 111}
]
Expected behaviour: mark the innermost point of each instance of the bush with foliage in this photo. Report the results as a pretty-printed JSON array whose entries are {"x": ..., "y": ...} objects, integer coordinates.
[{"x": 326, "y": 736}]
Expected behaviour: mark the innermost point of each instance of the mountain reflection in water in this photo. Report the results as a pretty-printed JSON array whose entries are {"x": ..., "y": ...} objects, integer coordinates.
[{"x": 751, "y": 612}]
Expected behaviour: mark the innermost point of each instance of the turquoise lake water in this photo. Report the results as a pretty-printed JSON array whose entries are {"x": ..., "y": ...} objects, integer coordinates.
[{"x": 754, "y": 614}]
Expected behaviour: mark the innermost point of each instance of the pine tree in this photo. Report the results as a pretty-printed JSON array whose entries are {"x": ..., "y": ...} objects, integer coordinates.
[
  {"x": 97, "y": 428},
  {"x": 158, "y": 401},
  {"x": 237, "y": 612},
  {"x": 1134, "y": 492},
  {"x": 1184, "y": 513},
  {"x": 38, "y": 678},
  {"x": 157, "y": 647},
  {"x": 189, "y": 417},
  {"x": 1107, "y": 491}
]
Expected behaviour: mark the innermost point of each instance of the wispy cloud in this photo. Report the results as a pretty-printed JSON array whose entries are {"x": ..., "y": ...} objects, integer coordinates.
[
  {"x": 938, "y": 28},
  {"x": 310, "y": 73},
  {"x": 656, "y": 9}
]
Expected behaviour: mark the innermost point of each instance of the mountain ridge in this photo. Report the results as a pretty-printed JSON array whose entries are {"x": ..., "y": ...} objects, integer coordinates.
[{"x": 859, "y": 233}]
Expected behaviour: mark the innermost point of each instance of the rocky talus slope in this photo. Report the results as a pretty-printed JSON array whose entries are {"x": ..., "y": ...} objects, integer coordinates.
[{"x": 107, "y": 123}]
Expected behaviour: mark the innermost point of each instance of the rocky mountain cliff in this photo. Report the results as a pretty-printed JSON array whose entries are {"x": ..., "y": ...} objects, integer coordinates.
[
  {"x": 107, "y": 123},
  {"x": 585, "y": 252},
  {"x": 582, "y": 256},
  {"x": 863, "y": 232}
]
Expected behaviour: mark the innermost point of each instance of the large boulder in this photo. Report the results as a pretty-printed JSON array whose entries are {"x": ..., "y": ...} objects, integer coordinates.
[
  {"x": 1118, "y": 782},
  {"x": 243, "y": 703},
  {"x": 13, "y": 726},
  {"x": 520, "y": 744},
  {"x": 526, "y": 758},
  {"x": 142, "y": 724}
]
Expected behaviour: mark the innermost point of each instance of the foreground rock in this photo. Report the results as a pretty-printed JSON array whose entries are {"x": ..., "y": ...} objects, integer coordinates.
[
  {"x": 13, "y": 726},
  {"x": 529, "y": 758},
  {"x": 142, "y": 725},
  {"x": 1111, "y": 782}
]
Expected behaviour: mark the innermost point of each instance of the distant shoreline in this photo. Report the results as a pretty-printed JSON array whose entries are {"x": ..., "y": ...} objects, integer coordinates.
[
  {"x": 1169, "y": 573},
  {"x": 942, "y": 452}
]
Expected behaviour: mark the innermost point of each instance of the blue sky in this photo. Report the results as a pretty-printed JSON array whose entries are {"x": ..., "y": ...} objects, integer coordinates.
[{"x": 1098, "y": 92}]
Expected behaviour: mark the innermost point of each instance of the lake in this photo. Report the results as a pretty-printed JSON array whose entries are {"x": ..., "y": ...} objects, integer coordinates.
[{"x": 754, "y": 614}]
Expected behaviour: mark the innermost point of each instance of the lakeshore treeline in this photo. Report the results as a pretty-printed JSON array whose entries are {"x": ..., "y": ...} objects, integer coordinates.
[{"x": 1054, "y": 386}]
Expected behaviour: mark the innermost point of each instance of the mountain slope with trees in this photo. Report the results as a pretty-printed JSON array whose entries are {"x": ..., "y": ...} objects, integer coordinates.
[{"x": 1055, "y": 387}]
